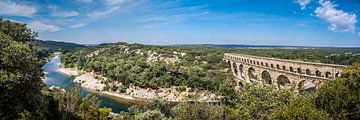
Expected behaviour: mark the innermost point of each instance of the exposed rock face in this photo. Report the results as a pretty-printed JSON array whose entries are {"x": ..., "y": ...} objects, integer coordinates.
[
  {"x": 171, "y": 94},
  {"x": 153, "y": 56}
]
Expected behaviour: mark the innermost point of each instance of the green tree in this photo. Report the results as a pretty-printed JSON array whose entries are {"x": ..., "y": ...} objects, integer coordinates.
[
  {"x": 17, "y": 31},
  {"x": 20, "y": 80},
  {"x": 341, "y": 98},
  {"x": 299, "y": 108},
  {"x": 72, "y": 106},
  {"x": 197, "y": 111},
  {"x": 258, "y": 102},
  {"x": 150, "y": 115}
]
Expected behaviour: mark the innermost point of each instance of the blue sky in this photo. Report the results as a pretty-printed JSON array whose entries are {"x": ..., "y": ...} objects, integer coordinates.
[{"x": 164, "y": 22}]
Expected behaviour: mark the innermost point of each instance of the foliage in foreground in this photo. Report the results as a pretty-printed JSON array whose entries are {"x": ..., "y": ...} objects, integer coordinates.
[
  {"x": 20, "y": 78},
  {"x": 23, "y": 95}
]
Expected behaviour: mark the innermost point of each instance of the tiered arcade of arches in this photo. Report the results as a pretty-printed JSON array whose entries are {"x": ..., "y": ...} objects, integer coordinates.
[{"x": 281, "y": 73}]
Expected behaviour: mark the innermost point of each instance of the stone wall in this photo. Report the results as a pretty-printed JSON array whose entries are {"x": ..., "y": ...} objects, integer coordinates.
[{"x": 250, "y": 69}]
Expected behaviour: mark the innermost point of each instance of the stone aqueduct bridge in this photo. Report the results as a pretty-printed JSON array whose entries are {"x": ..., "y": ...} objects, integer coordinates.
[{"x": 281, "y": 73}]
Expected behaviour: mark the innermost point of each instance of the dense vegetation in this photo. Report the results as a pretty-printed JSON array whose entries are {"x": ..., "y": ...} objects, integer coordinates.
[
  {"x": 22, "y": 92},
  {"x": 199, "y": 67},
  {"x": 338, "y": 99},
  {"x": 45, "y": 48},
  {"x": 24, "y": 96}
]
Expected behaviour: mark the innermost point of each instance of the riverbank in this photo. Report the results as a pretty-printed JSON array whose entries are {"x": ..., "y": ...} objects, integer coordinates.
[
  {"x": 135, "y": 94},
  {"x": 92, "y": 83}
]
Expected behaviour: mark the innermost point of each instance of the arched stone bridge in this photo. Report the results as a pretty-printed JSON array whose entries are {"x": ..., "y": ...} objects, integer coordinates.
[{"x": 281, "y": 73}]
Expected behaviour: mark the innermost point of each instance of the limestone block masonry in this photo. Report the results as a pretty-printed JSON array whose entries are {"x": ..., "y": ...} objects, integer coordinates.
[{"x": 280, "y": 73}]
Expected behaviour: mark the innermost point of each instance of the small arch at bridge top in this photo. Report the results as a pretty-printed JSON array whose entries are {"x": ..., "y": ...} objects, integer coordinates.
[
  {"x": 262, "y": 64},
  {"x": 299, "y": 71},
  {"x": 277, "y": 66},
  {"x": 291, "y": 69},
  {"x": 317, "y": 73},
  {"x": 337, "y": 74},
  {"x": 308, "y": 72},
  {"x": 272, "y": 65},
  {"x": 328, "y": 75},
  {"x": 266, "y": 64},
  {"x": 257, "y": 63},
  {"x": 284, "y": 68}
]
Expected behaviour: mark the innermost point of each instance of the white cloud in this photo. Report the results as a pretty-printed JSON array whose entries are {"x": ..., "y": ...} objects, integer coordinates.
[
  {"x": 15, "y": 9},
  {"x": 112, "y": 6},
  {"x": 78, "y": 25},
  {"x": 115, "y": 2},
  {"x": 303, "y": 3},
  {"x": 339, "y": 20},
  {"x": 65, "y": 13},
  {"x": 56, "y": 12},
  {"x": 41, "y": 27},
  {"x": 84, "y": 1},
  {"x": 102, "y": 13}
]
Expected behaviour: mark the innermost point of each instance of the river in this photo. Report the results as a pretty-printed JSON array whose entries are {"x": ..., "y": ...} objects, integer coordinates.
[{"x": 54, "y": 77}]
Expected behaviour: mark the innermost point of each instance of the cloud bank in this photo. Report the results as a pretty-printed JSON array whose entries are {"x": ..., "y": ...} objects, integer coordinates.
[
  {"x": 15, "y": 9},
  {"x": 339, "y": 20},
  {"x": 41, "y": 27}
]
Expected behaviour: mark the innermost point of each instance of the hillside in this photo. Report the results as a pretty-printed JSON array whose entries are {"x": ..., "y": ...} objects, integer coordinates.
[
  {"x": 45, "y": 48},
  {"x": 153, "y": 66}
]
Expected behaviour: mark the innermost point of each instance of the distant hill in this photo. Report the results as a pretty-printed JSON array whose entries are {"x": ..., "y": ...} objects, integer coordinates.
[
  {"x": 270, "y": 46},
  {"x": 57, "y": 45},
  {"x": 45, "y": 48}
]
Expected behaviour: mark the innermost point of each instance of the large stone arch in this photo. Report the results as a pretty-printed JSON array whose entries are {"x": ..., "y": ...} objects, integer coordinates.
[
  {"x": 306, "y": 86},
  {"x": 283, "y": 82},
  {"x": 266, "y": 77},
  {"x": 252, "y": 74},
  {"x": 241, "y": 71},
  {"x": 235, "y": 69}
]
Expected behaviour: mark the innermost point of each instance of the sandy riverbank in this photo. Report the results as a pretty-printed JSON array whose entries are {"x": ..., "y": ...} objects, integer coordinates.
[
  {"x": 89, "y": 81},
  {"x": 94, "y": 82},
  {"x": 70, "y": 71}
]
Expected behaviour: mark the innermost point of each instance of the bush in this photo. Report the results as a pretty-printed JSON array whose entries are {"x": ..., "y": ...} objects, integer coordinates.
[{"x": 341, "y": 97}]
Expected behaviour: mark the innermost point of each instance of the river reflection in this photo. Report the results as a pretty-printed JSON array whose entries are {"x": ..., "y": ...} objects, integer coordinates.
[{"x": 54, "y": 77}]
